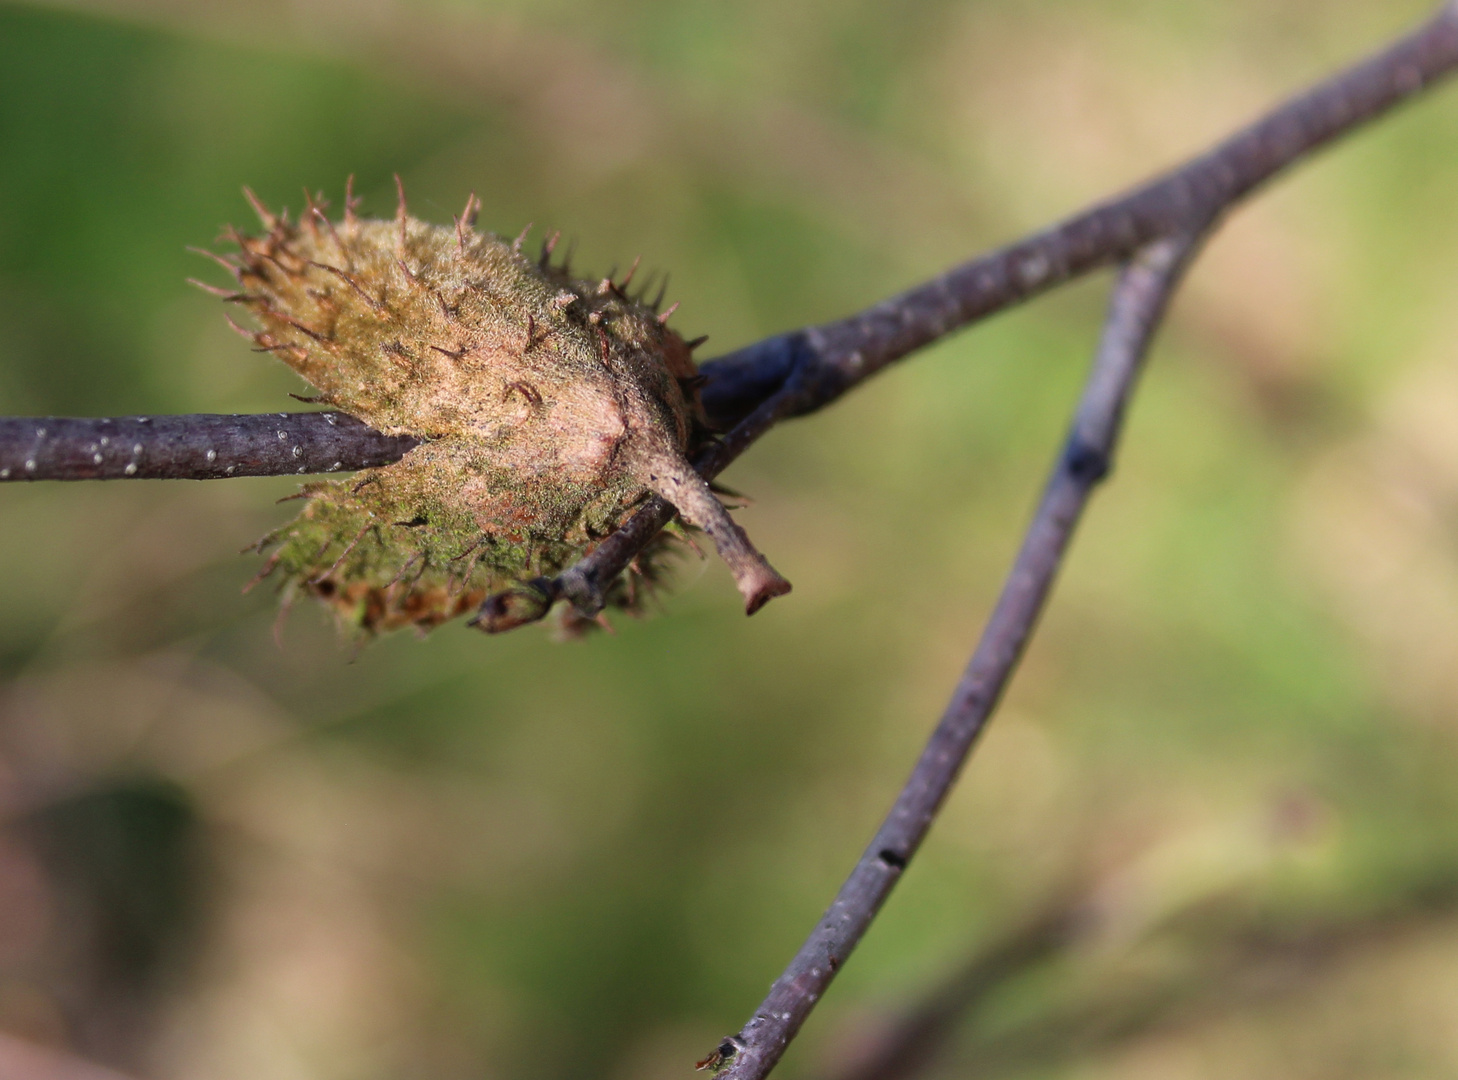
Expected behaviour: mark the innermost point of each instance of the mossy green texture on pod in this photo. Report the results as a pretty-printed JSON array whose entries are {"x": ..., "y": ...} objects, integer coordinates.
[{"x": 549, "y": 407}]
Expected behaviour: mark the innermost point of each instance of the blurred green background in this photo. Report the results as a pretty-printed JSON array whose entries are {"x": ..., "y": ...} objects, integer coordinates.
[{"x": 1233, "y": 746}]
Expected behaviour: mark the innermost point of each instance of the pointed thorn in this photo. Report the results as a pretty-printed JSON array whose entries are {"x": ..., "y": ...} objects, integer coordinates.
[
  {"x": 521, "y": 238},
  {"x": 349, "y": 279},
  {"x": 549, "y": 245},
  {"x": 232, "y": 267},
  {"x": 323, "y": 219},
  {"x": 663, "y": 319},
  {"x": 249, "y": 334},
  {"x": 224, "y": 294},
  {"x": 351, "y": 204},
  {"x": 472, "y": 211},
  {"x": 662, "y": 289},
  {"x": 567, "y": 259},
  {"x": 403, "y": 571},
  {"x": 265, "y": 215},
  {"x": 231, "y": 234},
  {"x": 314, "y": 215},
  {"x": 300, "y": 326},
  {"x": 628, "y": 277},
  {"x": 695, "y": 343},
  {"x": 342, "y": 555},
  {"x": 400, "y": 211},
  {"x": 268, "y": 568},
  {"x": 532, "y": 395}
]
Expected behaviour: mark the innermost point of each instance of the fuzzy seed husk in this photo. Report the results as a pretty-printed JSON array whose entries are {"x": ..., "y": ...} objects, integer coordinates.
[{"x": 549, "y": 408}]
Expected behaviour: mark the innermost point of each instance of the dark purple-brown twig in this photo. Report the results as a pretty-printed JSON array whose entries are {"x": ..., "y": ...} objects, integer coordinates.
[
  {"x": 198, "y": 447},
  {"x": 1138, "y": 303}
]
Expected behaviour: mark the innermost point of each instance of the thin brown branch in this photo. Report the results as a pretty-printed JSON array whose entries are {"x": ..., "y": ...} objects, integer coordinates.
[
  {"x": 1139, "y": 300},
  {"x": 846, "y": 352},
  {"x": 196, "y": 447}
]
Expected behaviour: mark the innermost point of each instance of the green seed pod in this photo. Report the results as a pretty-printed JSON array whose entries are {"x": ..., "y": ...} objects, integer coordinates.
[{"x": 549, "y": 407}]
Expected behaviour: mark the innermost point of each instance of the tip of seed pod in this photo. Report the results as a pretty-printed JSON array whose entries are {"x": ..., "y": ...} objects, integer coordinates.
[
  {"x": 628, "y": 277},
  {"x": 351, "y": 204},
  {"x": 265, "y": 215},
  {"x": 241, "y": 331},
  {"x": 549, "y": 245},
  {"x": 402, "y": 214},
  {"x": 223, "y": 294},
  {"x": 232, "y": 267}
]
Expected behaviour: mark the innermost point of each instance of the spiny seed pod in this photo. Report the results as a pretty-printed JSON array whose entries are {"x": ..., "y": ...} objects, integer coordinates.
[{"x": 548, "y": 408}]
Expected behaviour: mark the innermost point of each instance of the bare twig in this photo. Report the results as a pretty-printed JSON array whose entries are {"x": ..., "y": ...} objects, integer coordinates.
[
  {"x": 1139, "y": 300},
  {"x": 844, "y": 353},
  {"x": 197, "y": 447}
]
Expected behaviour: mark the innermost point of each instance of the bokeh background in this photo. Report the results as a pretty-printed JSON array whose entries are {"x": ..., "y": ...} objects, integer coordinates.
[{"x": 1228, "y": 769}]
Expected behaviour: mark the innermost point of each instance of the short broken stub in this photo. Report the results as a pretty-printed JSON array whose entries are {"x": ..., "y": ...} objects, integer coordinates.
[{"x": 549, "y": 408}]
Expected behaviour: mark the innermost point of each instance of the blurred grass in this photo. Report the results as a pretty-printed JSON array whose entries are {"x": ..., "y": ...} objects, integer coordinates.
[{"x": 471, "y": 857}]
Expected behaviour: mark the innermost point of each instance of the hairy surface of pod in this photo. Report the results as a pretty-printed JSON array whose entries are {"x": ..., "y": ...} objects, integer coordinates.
[{"x": 549, "y": 408}]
